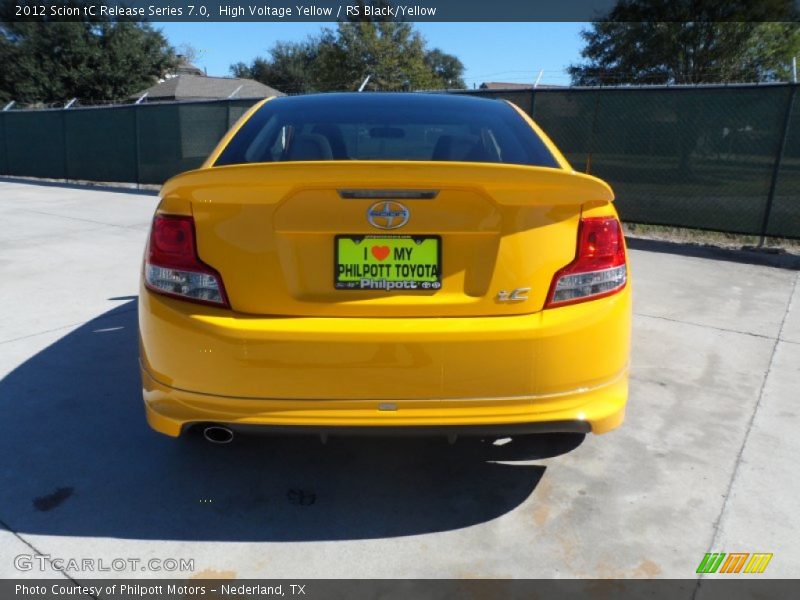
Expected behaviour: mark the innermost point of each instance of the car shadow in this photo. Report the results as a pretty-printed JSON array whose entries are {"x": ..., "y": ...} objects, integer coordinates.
[{"x": 79, "y": 460}]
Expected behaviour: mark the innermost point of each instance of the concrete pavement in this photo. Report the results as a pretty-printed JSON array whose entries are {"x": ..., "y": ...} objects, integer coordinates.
[{"x": 706, "y": 460}]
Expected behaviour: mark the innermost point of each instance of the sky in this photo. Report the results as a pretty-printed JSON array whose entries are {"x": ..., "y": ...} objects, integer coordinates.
[{"x": 509, "y": 52}]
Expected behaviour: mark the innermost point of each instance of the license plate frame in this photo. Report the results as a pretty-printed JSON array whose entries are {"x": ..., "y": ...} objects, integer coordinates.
[{"x": 418, "y": 276}]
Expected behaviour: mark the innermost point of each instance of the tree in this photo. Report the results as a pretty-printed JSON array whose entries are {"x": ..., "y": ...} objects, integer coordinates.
[
  {"x": 187, "y": 53},
  {"x": 447, "y": 68},
  {"x": 394, "y": 55},
  {"x": 689, "y": 42},
  {"x": 95, "y": 61},
  {"x": 289, "y": 69}
]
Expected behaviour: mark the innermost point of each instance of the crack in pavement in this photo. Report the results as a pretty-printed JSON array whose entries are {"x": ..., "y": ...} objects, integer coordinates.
[
  {"x": 36, "y": 551},
  {"x": 715, "y": 327},
  {"x": 735, "y": 473},
  {"x": 49, "y": 214}
]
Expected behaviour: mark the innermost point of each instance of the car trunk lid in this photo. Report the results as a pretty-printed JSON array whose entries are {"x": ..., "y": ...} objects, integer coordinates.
[{"x": 274, "y": 233}]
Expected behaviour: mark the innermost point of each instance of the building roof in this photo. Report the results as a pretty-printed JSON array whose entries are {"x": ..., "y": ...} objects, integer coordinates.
[
  {"x": 187, "y": 68},
  {"x": 198, "y": 87}
]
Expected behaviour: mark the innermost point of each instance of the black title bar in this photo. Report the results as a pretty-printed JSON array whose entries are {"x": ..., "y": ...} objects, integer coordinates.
[
  {"x": 332, "y": 11},
  {"x": 737, "y": 588}
]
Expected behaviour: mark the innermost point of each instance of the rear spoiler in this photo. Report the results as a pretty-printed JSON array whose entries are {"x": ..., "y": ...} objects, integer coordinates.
[{"x": 513, "y": 185}]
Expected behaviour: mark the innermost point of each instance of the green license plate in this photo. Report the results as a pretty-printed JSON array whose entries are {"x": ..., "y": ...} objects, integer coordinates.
[{"x": 388, "y": 262}]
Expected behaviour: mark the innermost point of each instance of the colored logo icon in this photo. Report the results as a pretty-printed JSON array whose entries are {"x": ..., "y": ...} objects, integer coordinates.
[{"x": 735, "y": 562}]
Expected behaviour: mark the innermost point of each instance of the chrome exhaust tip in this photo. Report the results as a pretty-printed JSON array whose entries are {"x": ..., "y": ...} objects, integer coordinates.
[{"x": 217, "y": 434}]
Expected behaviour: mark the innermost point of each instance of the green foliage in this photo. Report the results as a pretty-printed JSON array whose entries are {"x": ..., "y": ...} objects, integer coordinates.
[
  {"x": 289, "y": 68},
  {"x": 689, "y": 42},
  {"x": 447, "y": 68},
  {"x": 394, "y": 55},
  {"x": 96, "y": 61}
]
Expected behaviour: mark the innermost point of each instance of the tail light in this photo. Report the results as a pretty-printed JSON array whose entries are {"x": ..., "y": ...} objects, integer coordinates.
[
  {"x": 172, "y": 266},
  {"x": 599, "y": 268}
]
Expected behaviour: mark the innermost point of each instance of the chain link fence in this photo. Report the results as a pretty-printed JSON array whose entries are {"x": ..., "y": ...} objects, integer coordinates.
[
  {"x": 144, "y": 143},
  {"x": 724, "y": 159},
  {"x": 720, "y": 158}
]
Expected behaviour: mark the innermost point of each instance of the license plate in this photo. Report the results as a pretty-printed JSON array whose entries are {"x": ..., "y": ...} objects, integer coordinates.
[{"x": 388, "y": 262}]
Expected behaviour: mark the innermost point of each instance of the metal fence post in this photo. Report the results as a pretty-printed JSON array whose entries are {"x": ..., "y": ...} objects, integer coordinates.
[
  {"x": 7, "y": 163},
  {"x": 592, "y": 131},
  {"x": 776, "y": 167},
  {"x": 137, "y": 175},
  {"x": 64, "y": 143}
]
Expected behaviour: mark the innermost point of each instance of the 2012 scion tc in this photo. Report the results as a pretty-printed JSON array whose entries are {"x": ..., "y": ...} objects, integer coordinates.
[{"x": 377, "y": 262}]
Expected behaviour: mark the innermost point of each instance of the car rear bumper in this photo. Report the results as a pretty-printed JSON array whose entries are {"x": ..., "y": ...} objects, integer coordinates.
[
  {"x": 564, "y": 368},
  {"x": 599, "y": 410}
]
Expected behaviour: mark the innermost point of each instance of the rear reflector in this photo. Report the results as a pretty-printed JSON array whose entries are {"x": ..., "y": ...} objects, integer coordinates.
[
  {"x": 599, "y": 268},
  {"x": 172, "y": 266}
]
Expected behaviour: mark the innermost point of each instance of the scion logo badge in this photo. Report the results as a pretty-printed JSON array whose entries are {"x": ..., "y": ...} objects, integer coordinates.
[
  {"x": 736, "y": 562},
  {"x": 388, "y": 215}
]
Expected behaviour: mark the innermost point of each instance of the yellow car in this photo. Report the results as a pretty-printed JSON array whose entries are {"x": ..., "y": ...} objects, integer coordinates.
[{"x": 385, "y": 263}]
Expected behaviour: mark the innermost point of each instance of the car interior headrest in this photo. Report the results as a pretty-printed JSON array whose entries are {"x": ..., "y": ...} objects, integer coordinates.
[
  {"x": 310, "y": 146},
  {"x": 459, "y": 148},
  {"x": 335, "y": 138}
]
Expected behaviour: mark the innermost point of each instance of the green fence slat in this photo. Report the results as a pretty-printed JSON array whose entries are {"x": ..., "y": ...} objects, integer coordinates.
[
  {"x": 696, "y": 158},
  {"x": 700, "y": 157},
  {"x": 238, "y": 108},
  {"x": 688, "y": 157},
  {"x": 567, "y": 117},
  {"x": 35, "y": 143},
  {"x": 522, "y": 98},
  {"x": 784, "y": 220},
  {"x": 178, "y": 137},
  {"x": 3, "y": 145},
  {"x": 101, "y": 144}
]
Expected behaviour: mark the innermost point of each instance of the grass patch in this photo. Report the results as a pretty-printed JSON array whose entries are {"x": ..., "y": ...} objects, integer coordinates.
[{"x": 719, "y": 239}]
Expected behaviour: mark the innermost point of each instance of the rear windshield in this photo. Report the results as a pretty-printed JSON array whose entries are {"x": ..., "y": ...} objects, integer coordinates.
[{"x": 386, "y": 127}]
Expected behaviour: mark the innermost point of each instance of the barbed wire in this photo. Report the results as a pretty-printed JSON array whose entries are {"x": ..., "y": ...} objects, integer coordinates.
[
  {"x": 562, "y": 75},
  {"x": 545, "y": 77}
]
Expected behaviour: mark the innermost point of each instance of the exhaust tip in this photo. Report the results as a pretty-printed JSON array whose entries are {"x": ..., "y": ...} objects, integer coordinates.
[{"x": 217, "y": 434}]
